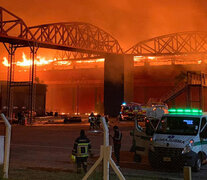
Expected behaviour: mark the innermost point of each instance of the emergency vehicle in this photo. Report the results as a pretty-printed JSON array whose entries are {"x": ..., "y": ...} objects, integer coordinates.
[
  {"x": 130, "y": 110},
  {"x": 180, "y": 139},
  {"x": 143, "y": 133}
]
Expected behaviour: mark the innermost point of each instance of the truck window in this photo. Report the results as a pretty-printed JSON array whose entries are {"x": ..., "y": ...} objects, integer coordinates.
[
  {"x": 178, "y": 125},
  {"x": 203, "y": 133},
  {"x": 136, "y": 108},
  {"x": 125, "y": 108},
  {"x": 203, "y": 122}
]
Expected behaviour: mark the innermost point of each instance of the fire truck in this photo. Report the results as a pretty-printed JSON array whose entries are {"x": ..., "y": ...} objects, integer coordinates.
[{"x": 131, "y": 110}]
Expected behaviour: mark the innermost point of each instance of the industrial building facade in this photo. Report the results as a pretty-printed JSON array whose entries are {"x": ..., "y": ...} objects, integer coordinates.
[{"x": 21, "y": 98}]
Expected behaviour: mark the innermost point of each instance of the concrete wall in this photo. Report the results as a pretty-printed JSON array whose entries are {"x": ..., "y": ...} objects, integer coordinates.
[
  {"x": 118, "y": 82},
  {"x": 113, "y": 84},
  {"x": 128, "y": 78}
]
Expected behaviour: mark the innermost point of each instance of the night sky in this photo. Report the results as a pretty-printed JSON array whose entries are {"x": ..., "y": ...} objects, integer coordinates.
[{"x": 129, "y": 21}]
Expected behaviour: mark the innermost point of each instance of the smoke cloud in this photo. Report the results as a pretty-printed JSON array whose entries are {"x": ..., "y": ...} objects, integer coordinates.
[{"x": 129, "y": 21}]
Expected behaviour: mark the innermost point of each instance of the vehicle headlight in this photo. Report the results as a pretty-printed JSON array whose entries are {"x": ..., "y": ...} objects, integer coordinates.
[{"x": 188, "y": 147}]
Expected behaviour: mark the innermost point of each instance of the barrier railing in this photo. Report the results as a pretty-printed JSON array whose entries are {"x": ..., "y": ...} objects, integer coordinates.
[
  {"x": 7, "y": 146},
  {"x": 105, "y": 156}
]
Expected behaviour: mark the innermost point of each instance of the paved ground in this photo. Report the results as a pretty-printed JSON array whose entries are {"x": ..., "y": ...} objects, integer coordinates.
[{"x": 48, "y": 146}]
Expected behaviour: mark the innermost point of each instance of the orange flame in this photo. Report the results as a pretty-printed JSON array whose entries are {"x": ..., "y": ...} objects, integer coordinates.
[
  {"x": 5, "y": 62},
  {"x": 27, "y": 62},
  {"x": 40, "y": 61},
  {"x": 91, "y": 61}
]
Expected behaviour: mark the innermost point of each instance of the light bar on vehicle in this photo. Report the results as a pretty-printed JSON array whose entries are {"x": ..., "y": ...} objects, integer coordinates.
[{"x": 185, "y": 111}]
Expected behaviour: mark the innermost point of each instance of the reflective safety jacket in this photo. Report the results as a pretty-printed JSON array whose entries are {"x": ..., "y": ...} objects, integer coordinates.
[{"x": 82, "y": 147}]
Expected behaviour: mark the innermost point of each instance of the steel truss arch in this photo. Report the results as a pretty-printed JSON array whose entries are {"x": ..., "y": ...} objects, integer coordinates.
[
  {"x": 77, "y": 35},
  {"x": 70, "y": 55},
  {"x": 192, "y": 42},
  {"x": 13, "y": 27},
  {"x": 71, "y": 36}
]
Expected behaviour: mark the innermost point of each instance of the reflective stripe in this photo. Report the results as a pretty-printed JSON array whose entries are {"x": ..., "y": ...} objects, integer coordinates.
[
  {"x": 83, "y": 144},
  {"x": 82, "y": 149}
]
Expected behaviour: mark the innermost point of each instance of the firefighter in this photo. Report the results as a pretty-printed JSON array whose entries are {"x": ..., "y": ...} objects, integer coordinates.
[
  {"x": 82, "y": 149},
  {"x": 98, "y": 121},
  {"x": 117, "y": 143},
  {"x": 91, "y": 119}
]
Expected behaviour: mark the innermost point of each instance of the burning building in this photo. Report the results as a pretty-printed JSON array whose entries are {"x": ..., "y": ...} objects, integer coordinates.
[
  {"x": 78, "y": 86},
  {"x": 21, "y": 98}
]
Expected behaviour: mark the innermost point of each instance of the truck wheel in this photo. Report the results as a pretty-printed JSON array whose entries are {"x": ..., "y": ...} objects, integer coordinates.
[
  {"x": 197, "y": 166},
  {"x": 137, "y": 158}
]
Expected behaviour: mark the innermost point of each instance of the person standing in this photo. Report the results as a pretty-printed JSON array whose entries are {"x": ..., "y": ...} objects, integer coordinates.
[
  {"x": 81, "y": 150},
  {"x": 117, "y": 143},
  {"x": 91, "y": 120}
]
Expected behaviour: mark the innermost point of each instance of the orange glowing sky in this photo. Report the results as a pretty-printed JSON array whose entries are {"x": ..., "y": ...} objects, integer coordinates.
[{"x": 129, "y": 21}]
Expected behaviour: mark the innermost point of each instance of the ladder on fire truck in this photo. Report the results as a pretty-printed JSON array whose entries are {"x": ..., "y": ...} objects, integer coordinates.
[{"x": 193, "y": 79}]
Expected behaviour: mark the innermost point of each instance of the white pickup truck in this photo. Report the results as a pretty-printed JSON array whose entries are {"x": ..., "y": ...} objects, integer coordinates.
[{"x": 180, "y": 139}]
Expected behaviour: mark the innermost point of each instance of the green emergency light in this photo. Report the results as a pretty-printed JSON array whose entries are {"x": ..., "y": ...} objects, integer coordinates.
[{"x": 185, "y": 111}]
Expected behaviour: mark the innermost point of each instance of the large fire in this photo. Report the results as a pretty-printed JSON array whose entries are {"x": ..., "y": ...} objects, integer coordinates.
[
  {"x": 138, "y": 61},
  {"x": 41, "y": 61}
]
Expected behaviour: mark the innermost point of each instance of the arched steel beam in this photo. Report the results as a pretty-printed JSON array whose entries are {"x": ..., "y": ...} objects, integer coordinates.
[
  {"x": 70, "y": 36},
  {"x": 70, "y": 55},
  {"x": 79, "y": 36},
  {"x": 192, "y": 42},
  {"x": 13, "y": 29}
]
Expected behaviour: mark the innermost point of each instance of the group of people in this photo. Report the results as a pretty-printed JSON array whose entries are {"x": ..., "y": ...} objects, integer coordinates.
[
  {"x": 82, "y": 148},
  {"x": 94, "y": 121},
  {"x": 21, "y": 117}
]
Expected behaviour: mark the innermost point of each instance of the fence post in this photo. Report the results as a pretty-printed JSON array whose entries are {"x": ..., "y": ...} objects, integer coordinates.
[
  {"x": 187, "y": 173},
  {"x": 7, "y": 146},
  {"x": 105, "y": 156}
]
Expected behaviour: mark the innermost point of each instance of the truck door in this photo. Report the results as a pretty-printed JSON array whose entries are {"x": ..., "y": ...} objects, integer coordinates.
[{"x": 142, "y": 140}]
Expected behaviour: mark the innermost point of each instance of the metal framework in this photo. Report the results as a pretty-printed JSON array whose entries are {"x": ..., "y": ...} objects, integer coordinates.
[
  {"x": 10, "y": 78},
  {"x": 193, "y": 79},
  {"x": 172, "y": 44},
  {"x": 70, "y": 36},
  {"x": 80, "y": 40},
  {"x": 75, "y": 36},
  {"x": 70, "y": 55}
]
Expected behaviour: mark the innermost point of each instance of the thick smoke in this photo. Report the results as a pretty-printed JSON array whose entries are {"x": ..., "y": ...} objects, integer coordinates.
[{"x": 129, "y": 21}]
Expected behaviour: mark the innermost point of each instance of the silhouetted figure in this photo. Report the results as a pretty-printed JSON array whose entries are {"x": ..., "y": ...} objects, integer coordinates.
[
  {"x": 92, "y": 119},
  {"x": 98, "y": 121},
  {"x": 21, "y": 118},
  {"x": 81, "y": 149},
  {"x": 117, "y": 143}
]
